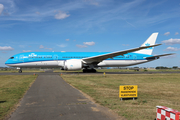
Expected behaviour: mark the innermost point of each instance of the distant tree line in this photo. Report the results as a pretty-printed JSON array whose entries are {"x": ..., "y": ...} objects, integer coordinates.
[{"x": 162, "y": 67}]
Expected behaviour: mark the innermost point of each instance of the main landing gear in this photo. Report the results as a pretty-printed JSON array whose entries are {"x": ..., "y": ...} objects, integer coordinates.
[
  {"x": 20, "y": 70},
  {"x": 89, "y": 71}
]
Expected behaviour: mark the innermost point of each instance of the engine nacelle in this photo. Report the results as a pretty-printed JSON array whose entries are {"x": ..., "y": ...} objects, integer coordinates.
[{"x": 73, "y": 64}]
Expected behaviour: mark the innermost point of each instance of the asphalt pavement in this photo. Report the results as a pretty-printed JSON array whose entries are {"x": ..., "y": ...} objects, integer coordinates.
[{"x": 51, "y": 98}]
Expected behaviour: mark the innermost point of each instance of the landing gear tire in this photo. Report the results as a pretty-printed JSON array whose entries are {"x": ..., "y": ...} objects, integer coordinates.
[
  {"x": 20, "y": 71},
  {"x": 89, "y": 71}
]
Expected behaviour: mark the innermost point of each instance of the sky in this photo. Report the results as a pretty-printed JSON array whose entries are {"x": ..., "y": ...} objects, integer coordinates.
[{"x": 89, "y": 26}]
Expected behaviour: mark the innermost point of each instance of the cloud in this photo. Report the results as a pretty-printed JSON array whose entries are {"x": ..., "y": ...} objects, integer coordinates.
[
  {"x": 27, "y": 51},
  {"x": 125, "y": 44},
  {"x": 86, "y": 44},
  {"x": 167, "y": 33},
  {"x": 89, "y": 43},
  {"x": 176, "y": 33},
  {"x": 62, "y": 45},
  {"x": 67, "y": 39},
  {"x": 81, "y": 46},
  {"x": 61, "y": 15},
  {"x": 41, "y": 46},
  {"x": 172, "y": 49},
  {"x": 6, "y": 48},
  {"x": 1, "y": 8},
  {"x": 38, "y": 13},
  {"x": 171, "y": 41}
]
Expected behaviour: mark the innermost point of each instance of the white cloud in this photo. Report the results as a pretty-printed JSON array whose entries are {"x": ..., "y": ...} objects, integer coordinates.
[
  {"x": 81, "y": 46},
  {"x": 176, "y": 33},
  {"x": 41, "y": 46},
  {"x": 125, "y": 44},
  {"x": 61, "y": 15},
  {"x": 172, "y": 49},
  {"x": 89, "y": 43},
  {"x": 27, "y": 51},
  {"x": 6, "y": 48},
  {"x": 1, "y": 8},
  {"x": 62, "y": 45},
  {"x": 171, "y": 41},
  {"x": 85, "y": 44},
  {"x": 67, "y": 39},
  {"x": 167, "y": 33}
]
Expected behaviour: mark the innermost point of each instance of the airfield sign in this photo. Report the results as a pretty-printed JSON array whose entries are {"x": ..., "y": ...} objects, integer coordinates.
[{"x": 128, "y": 91}]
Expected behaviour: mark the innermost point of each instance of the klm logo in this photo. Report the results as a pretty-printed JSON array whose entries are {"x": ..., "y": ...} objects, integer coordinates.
[{"x": 147, "y": 44}]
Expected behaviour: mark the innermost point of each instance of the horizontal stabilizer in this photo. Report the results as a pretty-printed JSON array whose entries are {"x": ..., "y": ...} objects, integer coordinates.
[{"x": 158, "y": 56}]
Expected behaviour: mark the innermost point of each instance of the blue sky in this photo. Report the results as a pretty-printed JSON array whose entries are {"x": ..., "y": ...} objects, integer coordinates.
[{"x": 89, "y": 26}]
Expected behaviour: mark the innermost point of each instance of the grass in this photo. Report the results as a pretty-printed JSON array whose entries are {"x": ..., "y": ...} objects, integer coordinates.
[
  {"x": 153, "y": 90},
  {"x": 23, "y": 70},
  {"x": 12, "y": 89}
]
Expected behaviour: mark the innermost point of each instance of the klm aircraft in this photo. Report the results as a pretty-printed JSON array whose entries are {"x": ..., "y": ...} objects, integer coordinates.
[{"x": 87, "y": 60}]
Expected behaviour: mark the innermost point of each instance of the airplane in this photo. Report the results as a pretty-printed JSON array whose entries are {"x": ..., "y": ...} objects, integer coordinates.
[{"x": 87, "y": 61}]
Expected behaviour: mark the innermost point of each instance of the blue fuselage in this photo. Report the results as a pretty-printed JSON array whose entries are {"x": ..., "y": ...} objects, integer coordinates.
[{"x": 55, "y": 59}]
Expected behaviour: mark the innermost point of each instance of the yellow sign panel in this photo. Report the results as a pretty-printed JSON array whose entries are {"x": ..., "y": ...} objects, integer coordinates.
[{"x": 128, "y": 91}]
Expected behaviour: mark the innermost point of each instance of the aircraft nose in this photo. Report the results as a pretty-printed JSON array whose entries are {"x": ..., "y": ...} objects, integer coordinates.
[{"x": 7, "y": 62}]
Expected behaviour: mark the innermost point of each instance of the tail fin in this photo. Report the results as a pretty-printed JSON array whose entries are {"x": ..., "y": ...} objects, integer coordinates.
[{"x": 150, "y": 41}]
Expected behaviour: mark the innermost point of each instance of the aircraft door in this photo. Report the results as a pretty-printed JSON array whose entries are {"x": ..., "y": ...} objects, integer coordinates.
[
  {"x": 21, "y": 58},
  {"x": 55, "y": 57},
  {"x": 134, "y": 57}
]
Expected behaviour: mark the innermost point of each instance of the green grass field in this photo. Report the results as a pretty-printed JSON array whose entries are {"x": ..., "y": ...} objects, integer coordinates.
[
  {"x": 12, "y": 89},
  {"x": 153, "y": 90},
  {"x": 24, "y": 70}
]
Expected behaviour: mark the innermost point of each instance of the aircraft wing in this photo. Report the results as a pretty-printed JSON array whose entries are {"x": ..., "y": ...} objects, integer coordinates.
[
  {"x": 99, "y": 58},
  {"x": 157, "y": 56}
]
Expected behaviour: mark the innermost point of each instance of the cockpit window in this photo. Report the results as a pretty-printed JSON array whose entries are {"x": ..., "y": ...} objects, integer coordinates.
[{"x": 11, "y": 58}]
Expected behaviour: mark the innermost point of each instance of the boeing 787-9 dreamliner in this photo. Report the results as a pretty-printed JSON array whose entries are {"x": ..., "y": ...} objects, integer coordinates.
[{"x": 87, "y": 61}]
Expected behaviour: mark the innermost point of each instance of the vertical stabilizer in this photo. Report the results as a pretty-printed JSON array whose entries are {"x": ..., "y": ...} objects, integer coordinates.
[{"x": 150, "y": 41}]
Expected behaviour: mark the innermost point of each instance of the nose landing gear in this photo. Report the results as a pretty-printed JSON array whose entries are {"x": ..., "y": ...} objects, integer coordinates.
[{"x": 20, "y": 70}]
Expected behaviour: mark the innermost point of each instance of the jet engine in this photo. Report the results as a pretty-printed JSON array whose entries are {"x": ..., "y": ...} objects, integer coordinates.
[{"x": 73, "y": 64}]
